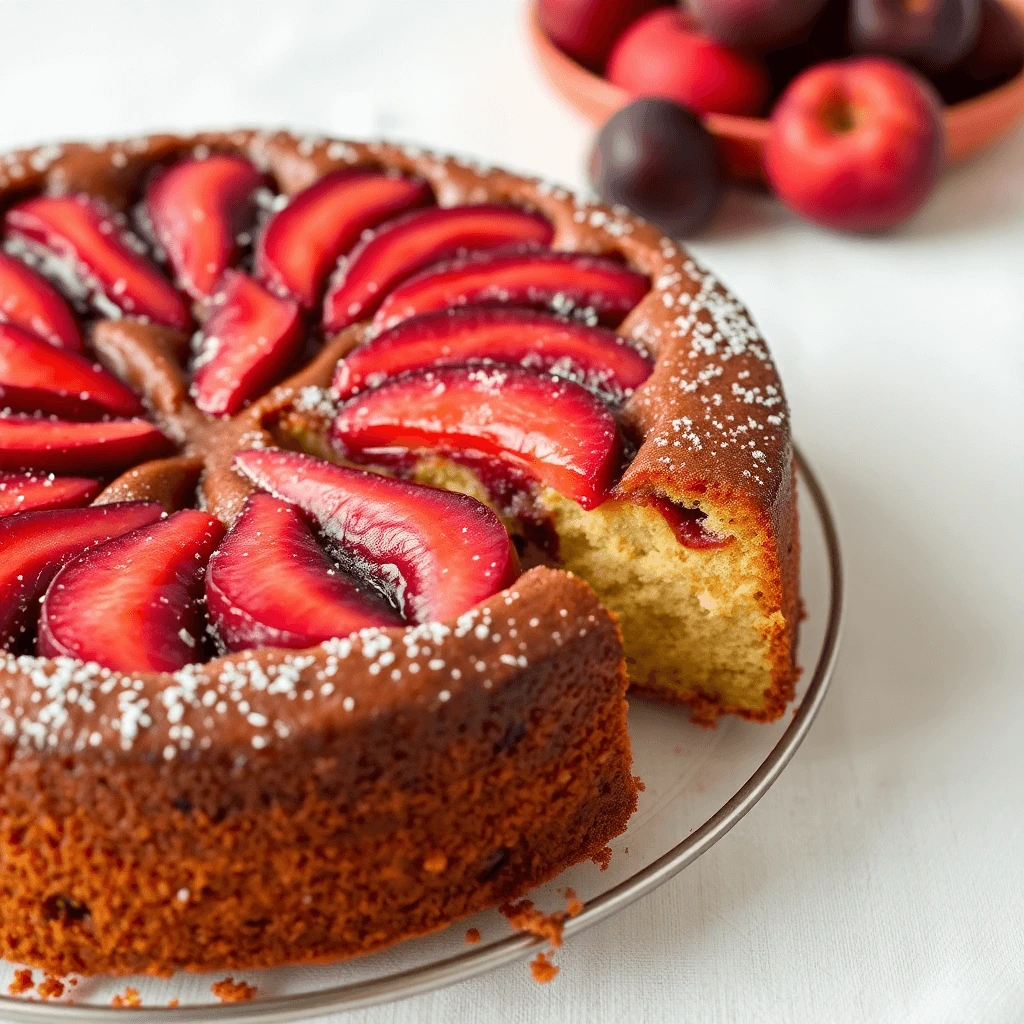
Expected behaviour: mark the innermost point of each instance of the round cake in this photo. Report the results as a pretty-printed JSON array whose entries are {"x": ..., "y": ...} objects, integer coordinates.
[{"x": 344, "y": 490}]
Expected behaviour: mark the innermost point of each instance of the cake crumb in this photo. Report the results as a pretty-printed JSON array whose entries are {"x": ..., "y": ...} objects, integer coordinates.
[
  {"x": 525, "y": 917},
  {"x": 573, "y": 904},
  {"x": 130, "y": 997},
  {"x": 21, "y": 983},
  {"x": 472, "y": 935},
  {"x": 173, "y": 1004},
  {"x": 50, "y": 988},
  {"x": 231, "y": 991},
  {"x": 542, "y": 969},
  {"x": 603, "y": 858}
]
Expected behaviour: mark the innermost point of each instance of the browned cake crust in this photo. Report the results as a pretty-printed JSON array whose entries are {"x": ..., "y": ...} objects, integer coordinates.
[
  {"x": 373, "y": 809},
  {"x": 272, "y": 806}
]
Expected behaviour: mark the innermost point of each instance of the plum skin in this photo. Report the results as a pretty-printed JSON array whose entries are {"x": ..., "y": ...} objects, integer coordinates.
[{"x": 657, "y": 158}]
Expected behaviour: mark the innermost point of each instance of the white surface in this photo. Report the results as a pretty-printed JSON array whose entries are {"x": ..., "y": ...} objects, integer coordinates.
[{"x": 882, "y": 879}]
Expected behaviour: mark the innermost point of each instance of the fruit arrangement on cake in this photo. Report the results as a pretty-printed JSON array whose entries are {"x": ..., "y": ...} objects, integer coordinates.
[
  {"x": 855, "y": 92},
  {"x": 344, "y": 489}
]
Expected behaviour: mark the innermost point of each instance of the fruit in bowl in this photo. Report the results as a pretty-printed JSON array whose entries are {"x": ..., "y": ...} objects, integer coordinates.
[
  {"x": 856, "y": 144},
  {"x": 985, "y": 65},
  {"x": 996, "y": 57},
  {"x": 932, "y": 35},
  {"x": 664, "y": 55},
  {"x": 587, "y": 29},
  {"x": 758, "y": 25}
]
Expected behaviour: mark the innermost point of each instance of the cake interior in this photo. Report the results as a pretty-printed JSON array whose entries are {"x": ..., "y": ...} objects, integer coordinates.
[{"x": 691, "y": 618}]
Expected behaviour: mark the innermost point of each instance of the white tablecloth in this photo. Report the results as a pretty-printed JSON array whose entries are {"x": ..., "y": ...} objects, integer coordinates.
[{"x": 882, "y": 879}]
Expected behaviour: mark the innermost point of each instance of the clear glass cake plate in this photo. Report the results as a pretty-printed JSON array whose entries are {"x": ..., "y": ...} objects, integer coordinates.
[{"x": 698, "y": 784}]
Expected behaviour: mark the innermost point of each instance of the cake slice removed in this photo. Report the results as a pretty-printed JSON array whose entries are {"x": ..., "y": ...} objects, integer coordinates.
[{"x": 688, "y": 589}]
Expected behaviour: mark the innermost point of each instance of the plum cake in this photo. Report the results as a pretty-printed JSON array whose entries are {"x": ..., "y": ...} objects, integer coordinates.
[{"x": 344, "y": 490}]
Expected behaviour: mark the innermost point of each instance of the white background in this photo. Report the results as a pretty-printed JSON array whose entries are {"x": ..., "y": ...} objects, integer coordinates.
[{"x": 882, "y": 879}]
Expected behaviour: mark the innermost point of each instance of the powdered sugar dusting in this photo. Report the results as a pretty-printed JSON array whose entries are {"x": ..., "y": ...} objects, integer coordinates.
[{"x": 72, "y": 706}]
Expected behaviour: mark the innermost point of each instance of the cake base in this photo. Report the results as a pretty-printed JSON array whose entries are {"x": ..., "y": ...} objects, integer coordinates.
[{"x": 351, "y": 841}]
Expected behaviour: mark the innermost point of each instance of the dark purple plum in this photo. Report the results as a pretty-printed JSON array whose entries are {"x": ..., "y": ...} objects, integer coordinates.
[
  {"x": 996, "y": 57},
  {"x": 828, "y": 40},
  {"x": 757, "y": 25},
  {"x": 659, "y": 160},
  {"x": 930, "y": 35}
]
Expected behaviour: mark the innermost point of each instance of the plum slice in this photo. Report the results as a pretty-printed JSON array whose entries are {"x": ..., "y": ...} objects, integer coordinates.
[
  {"x": 84, "y": 243},
  {"x": 37, "y": 544},
  {"x": 437, "y": 552},
  {"x": 38, "y": 376},
  {"x": 688, "y": 525},
  {"x": 196, "y": 209},
  {"x": 271, "y": 585},
  {"x": 62, "y": 446},
  {"x": 302, "y": 242},
  {"x": 133, "y": 605},
  {"x": 594, "y": 288},
  {"x": 553, "y": 430},
  {"x": 30, "y": 492},
  {"x": 28, "y": 300},
  {"x": 601, "y": 360},
  {"x": 402, "y": 246},
  {"x": 247, "y": 344}
]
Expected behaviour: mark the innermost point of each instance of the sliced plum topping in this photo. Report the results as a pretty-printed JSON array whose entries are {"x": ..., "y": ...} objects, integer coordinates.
[
  {"x": 301, "y": 243},
  {"x": 592, "y": 288},
  {"x": 30, "y": 492},
  {"x": 28, "y": 300},
  {"x": 437, "y": 552},
  {"x": 84, "y": 244},
  {"x": 37, "y": 544},
  {"x": 688, "y": 525},
  {"x": 196, "y": 209},
  {"x": 133, "y": 605},
  {"x": 271, "y": 585},
  {"x": 247, "y": 344},
  {"x": 555, "y": 431},
  {"x": 604, "y": 362},
  {"x": 38, "y": 376},
  {"x": 61, "y": 446},
  {"x": 400, "y": 247}
]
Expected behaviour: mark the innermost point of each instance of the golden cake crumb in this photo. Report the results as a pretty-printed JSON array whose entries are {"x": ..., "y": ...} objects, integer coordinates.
[
  {"x": 231, "y": 991},
  {"x": 603, "y": 858},
  {"x": 50, "y": 988},
  {"x": 525, "y": 917},
  {"x": 21, "y": 982},
  {"x": 172, "y": 1003},
  {"x": 542, "y": 969},
  {"x": 573, "y": 904},
  {"x": 130, "y": 997},
  {"x": 472, "y": 935}
]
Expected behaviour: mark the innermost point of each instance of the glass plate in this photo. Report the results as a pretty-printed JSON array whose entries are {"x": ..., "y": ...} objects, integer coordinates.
[{"x": 699, "y": 783}]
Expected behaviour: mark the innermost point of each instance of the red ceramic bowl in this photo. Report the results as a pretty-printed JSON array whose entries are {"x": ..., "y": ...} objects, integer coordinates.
[{"x": 970, "y": 126}]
